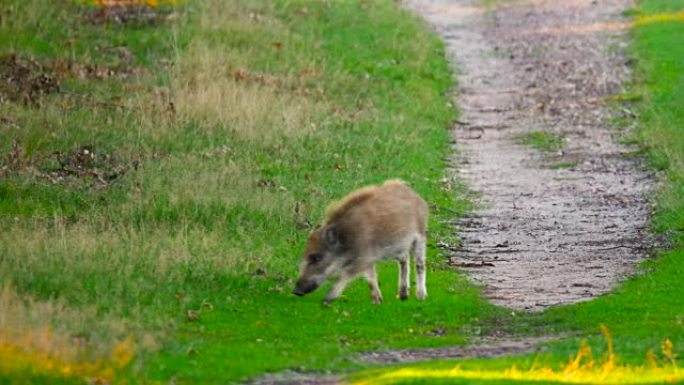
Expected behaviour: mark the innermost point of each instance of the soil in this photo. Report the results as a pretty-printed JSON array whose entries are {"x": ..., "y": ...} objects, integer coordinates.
[
  {"x": 486, "y": 348},
  {"x": 128, "y": 13},
  {"x": 122, "y": 70},
  {"x": 86, "y": 167},
  {"x": 25, "y": 80},
  {"x": 83, "y": 167},
  {"x": 551, "y": 227},
  {"x": 296, "y": 378}
]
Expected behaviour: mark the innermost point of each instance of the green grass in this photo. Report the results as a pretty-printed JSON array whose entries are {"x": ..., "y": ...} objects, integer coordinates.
[
  {"x": 266, "y": 105},
  {"x": 542, "y": 140},
  {"x": 647, "y": 309},
  {"x": 562, "y": 165}
]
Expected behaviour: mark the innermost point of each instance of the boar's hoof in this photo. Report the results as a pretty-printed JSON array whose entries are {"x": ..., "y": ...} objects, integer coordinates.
[{"x": 328, "y": 299}]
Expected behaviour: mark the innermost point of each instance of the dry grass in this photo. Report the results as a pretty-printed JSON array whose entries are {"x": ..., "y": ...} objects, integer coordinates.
[
  {"x": 217, "y": 87},
  {"x": 117, "y": 264},
  {"x": 253, "y": 111},
  {"x": 30, "y": 341},
  {"x": 212, "y": 177}
]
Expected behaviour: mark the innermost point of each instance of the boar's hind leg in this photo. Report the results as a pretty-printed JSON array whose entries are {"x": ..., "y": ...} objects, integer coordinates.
[
  {"x": 372, "y": 278},
  {"x": 404, "y": 284},
  {"x": 419, "y": 257}
]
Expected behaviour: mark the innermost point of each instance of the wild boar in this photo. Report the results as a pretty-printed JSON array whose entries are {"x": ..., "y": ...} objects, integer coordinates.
[{"x": 368, "y": 225}]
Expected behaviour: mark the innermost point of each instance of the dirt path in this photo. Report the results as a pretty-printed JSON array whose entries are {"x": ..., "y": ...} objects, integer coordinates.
[
  {"x": 559, "y": 227},
  {"x": 484, "y": 348}
]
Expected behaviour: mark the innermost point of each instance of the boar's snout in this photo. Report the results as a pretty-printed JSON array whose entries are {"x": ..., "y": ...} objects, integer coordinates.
[{"x": 304, "y": 287}]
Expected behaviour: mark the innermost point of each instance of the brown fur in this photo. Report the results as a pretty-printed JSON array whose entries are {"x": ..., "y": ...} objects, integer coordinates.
[
  {"x": 369, "y": 224},
  {"x": 337, "y": 209},
  {"x": 376, "y": 215}
]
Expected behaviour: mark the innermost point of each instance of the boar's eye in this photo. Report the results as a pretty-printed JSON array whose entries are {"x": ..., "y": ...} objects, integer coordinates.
[{"x": 315, "y": 258}]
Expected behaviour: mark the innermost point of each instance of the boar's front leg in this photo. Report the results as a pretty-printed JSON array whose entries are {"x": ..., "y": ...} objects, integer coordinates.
[
  {"x": 372, "y": 278},
  {"x": 338, "y": 287}
]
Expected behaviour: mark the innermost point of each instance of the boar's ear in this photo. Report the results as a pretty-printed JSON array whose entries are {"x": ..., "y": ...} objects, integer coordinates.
[{"x": 331, "y": 237}]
